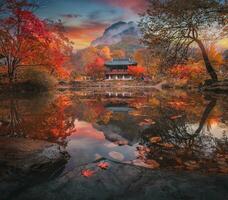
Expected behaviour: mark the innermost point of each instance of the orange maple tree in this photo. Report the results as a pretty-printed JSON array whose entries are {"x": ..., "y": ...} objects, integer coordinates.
[{"x": 186, "y": 72}]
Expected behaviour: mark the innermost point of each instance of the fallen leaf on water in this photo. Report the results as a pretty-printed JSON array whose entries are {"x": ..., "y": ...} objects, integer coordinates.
[
  {"x": 175, "y": 117},
  {"x": 167, "y": 145},
  {"x": 153, "y": 163},
  {"x": 155, "y": 139},
  {"x": 103, "y": 165},
  {"x": 191, "y": 165},
  {"x": 87, "y": 173},
  {"x": 116, "y": 155},
  {"x": 147, "y": 122}
]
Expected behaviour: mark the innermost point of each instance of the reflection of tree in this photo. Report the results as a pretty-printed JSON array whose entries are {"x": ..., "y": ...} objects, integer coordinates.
[
  {"x": 205, "y": 115},
  {"x": 16, "y": 123},
  {"x": 54, "y": 122},
  {"x": 174, "y": 143},
  {"x": 13, "y": 125}
]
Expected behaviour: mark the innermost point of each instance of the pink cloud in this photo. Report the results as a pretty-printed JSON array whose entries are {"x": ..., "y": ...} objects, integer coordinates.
[{"x": 134, "y": 5}]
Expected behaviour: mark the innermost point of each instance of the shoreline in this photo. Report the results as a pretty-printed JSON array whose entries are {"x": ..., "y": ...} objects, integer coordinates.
[{"x": 133, "y": 86}]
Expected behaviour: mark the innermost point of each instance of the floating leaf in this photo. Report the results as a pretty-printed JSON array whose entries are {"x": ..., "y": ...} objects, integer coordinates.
[
  {"x": 87, "y": 173},
  {"x": 191, "y": 165},
  {"x": 103, "y": 165},
  {"x": 153, "y": 163},
  {"x": 116, "y": 155},
  {"x": 167, "y": 145},
  {"x": 155, "y": 139},
  {"x": 175, "y": 117},
  {"x": 147, "y": 122}
]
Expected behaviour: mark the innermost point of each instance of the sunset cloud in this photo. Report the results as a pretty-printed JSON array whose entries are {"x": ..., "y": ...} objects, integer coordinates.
[
  {"x": 83, "y": 34},
  {"x": 134, "y": 5},
  {"x": 85, "y": 20}
]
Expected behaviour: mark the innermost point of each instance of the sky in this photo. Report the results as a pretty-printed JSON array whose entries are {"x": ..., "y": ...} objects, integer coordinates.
[{"x": 85, "y": 20}]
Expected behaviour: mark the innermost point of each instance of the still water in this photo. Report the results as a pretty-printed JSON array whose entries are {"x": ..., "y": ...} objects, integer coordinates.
[{"x": 174, "y": 130}]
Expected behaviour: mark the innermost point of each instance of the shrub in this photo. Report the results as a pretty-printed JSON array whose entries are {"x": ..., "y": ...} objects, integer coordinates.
[{"x": 36, "y": 79}]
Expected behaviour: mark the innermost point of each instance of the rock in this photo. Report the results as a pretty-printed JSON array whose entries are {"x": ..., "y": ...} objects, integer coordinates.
[
  {"x": 128, "y": 182},
  {"x": 29, "y": 155},
  {"x": 26, "y": 162}
]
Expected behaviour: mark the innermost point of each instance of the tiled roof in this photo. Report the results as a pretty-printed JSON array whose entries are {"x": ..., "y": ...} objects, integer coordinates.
[{"x": 126, "y": 61}]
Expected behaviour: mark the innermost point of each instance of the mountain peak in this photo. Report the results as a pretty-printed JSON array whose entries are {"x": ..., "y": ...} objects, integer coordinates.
[{"x": 116, "y": 32}]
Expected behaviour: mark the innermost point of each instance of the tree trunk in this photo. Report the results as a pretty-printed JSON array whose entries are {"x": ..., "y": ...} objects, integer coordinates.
[
  {"x": 207, "y": 62},
  {"x": 11, "y": 74}
]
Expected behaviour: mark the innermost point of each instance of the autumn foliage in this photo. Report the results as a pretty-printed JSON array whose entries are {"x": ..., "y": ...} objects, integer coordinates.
[
  {"x": 96, "y": 69},
  {"x": 26, "y": 40},
  {"x": 137, "y": 71},
  {"x": 186, "y": 72}
]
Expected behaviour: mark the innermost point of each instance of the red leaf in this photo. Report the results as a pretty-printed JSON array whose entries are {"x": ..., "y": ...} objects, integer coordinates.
[
  {"x": 87, "y": 173},
  {"x": 103, "y": 165}
]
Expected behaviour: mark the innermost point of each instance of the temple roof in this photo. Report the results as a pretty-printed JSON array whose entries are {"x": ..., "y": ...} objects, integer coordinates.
[{"x": 125, "y": 61}]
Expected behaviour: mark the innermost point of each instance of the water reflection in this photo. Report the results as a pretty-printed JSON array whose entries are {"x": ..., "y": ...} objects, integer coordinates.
[
  {"x": 167, "y": 129},
  {"x": 177, "y": 144}
]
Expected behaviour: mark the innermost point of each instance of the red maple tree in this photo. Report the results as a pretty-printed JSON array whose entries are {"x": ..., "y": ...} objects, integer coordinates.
[
  {"x": 96, "y": 69},
  {"x": 26, "y": 40},
  {"x": 137, "y": 71}
]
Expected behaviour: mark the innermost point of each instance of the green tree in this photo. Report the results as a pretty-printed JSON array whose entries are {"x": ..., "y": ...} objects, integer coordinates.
[{"x": 170, "y": 27}]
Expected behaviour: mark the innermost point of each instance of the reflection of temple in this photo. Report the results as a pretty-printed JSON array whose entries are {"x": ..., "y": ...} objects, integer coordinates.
[
  {"x": 117, "y": 69},
  {"x": 119, "y": 94}
]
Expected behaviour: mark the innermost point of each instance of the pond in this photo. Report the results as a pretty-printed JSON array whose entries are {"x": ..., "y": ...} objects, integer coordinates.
[{"x": 170, "y": 130}]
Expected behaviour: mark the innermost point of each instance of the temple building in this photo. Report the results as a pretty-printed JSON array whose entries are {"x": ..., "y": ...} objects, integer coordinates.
[{"x": 117, "y": 69}]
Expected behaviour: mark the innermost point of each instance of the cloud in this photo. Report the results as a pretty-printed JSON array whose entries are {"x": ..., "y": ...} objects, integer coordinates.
[
  {"x": 102, "y": 14},
  {"x": 70, "y": 16},
  {"x": 134, "y": 5},
  {"x": 83, "y": 34}
]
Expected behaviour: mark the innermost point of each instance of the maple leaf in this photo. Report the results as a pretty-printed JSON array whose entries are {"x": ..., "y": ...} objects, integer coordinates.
[
  {"x": 155, "y": 139},
  {"x": 87, "y": 173},
  {"x": 103, "y": 165}
]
